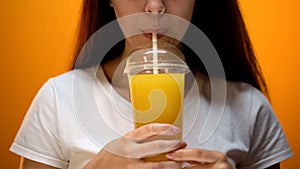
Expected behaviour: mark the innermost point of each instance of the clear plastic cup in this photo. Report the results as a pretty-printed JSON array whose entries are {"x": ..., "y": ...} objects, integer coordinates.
[{"x": 156, "y": 80}]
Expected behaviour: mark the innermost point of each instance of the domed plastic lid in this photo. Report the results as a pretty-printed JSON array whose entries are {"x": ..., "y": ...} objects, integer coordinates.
[{"x": 149, "y": 61}]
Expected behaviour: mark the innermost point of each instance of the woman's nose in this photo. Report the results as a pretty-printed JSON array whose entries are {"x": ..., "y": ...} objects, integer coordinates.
[{"x": 155, "y": 7}]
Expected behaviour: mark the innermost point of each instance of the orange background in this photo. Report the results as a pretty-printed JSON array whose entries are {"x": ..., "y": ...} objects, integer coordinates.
[{"x": 36, "y": 39}]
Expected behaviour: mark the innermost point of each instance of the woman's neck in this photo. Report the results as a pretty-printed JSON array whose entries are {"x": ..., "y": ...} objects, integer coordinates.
[{"x": 114, "y": 71}]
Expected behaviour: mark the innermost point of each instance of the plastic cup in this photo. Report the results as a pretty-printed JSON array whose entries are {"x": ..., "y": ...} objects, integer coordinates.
[{"x": 157, "y": 88}]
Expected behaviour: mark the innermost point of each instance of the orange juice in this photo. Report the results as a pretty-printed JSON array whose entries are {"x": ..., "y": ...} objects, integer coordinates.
[{"x": 157, "y": 98}]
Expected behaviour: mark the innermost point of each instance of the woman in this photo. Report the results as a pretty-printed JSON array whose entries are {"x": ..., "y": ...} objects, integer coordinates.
[{"x": 249, "y": 136}]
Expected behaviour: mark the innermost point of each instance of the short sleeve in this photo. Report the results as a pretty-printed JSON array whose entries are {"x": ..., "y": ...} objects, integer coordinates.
[
  {"x": 268, "y": 144},
  {"x": 38, "y": 136}
]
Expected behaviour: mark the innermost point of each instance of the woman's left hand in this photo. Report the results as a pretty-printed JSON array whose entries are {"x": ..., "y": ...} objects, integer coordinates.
[{"x": 201, "y": 159}]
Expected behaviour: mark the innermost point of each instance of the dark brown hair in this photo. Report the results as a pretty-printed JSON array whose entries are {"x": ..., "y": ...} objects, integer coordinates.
[{"x": 220, "y": 20}]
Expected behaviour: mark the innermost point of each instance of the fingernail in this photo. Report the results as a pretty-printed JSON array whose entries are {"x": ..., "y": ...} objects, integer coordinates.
[
  {"x": 176, "y": 130},
  {"x": 170, "y": 155},
  {"x": 183, "y": 144}
]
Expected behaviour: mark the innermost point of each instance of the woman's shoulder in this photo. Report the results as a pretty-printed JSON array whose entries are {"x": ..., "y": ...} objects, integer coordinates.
[
  {"x": 236, "y": 93},
  {"x": 239, "y": 97},
  {"x": 70, "y": 75},
  {"x": 65, "y": 84},
  {"x": 243, "y": 93},
  {"x": 69, "y": 78}
]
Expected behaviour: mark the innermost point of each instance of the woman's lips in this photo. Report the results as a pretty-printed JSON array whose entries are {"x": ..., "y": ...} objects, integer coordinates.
[{"x": 149, "y": 35}]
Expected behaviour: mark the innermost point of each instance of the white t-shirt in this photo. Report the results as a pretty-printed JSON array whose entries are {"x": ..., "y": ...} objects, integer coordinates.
[{"x": 76, "y": 114}]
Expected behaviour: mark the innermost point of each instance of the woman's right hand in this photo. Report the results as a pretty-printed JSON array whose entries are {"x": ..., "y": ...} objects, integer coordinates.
[{"x": 128, "y": 151}]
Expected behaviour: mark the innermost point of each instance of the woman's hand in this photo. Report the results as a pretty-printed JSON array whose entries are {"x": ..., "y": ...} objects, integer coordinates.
[
  {"x": 128, "y": 152},
  {"x": 201, "y": 159}
]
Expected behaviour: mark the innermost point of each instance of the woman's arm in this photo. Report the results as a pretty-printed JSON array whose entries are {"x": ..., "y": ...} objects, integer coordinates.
[{"x": 29, "y": 164}]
